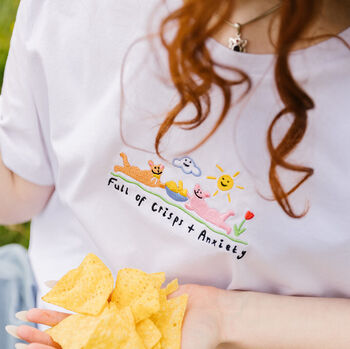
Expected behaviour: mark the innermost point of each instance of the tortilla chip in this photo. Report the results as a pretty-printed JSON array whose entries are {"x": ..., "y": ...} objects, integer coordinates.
[
  {"x": 146, "y": 304},
  {"x": 169, "y": 321},
  {"x": 111, "y": 329},
  {"x": 74, "y": 331},
  {"x": 136, "y": 315},
  {"x": 132, "y": 283},
  {"x": 149, "y": 333},
  {"x": 116, "y": 329},
  {"x": 158, "y": 278},
  {"x": 171, "y": 287},
  {"x": 84, "y": 290},
  {"x": 162, "y": 298}
]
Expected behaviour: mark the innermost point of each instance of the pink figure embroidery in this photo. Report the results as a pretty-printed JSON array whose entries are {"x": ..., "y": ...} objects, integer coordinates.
[{"x": 197, "y": 204}]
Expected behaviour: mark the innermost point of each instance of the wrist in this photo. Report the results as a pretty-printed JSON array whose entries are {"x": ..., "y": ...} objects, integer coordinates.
[{"x": 230, "y": 308}]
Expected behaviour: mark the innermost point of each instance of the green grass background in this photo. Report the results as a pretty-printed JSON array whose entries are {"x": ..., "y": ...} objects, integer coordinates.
[{"x": 8, "y": 8}]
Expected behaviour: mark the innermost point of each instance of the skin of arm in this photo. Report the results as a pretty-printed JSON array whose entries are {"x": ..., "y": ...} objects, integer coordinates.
[
  {"x": 20, "y": 199},
  {"x": 260, "y": 321}
]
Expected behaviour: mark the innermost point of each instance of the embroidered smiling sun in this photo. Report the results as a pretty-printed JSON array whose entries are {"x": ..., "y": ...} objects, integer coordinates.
[{"x": 226, "y": 182}]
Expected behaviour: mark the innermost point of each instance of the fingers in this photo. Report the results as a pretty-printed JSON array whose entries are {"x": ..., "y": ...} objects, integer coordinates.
[
  {"x": 39, "y": 339},
  {"x": 32, "y": 346},
  {"x": 38, "y": 346},
  {"x": 33, "y": 335},
  {"x": 12, "y": 330},
  {"x": 44, "y": 317}
]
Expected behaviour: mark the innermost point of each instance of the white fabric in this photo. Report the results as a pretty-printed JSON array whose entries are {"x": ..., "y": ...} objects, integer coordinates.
[{"x": 60, "y": 124}]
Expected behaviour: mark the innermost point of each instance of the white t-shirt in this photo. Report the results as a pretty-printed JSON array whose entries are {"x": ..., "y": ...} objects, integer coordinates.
[{"x": 203, "y": 216}]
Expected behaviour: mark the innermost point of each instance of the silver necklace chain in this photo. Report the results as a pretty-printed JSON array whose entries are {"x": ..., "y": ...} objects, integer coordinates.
[{"x": 237, "y": 43}]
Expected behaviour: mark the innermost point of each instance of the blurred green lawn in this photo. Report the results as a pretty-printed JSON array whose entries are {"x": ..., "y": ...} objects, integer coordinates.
[
  {"x": 8, "y": 9},
  {"x": 16, "y": 233}
]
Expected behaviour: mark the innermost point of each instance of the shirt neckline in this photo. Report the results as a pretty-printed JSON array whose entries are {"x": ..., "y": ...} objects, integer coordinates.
[{"x": 257, "y": 63}]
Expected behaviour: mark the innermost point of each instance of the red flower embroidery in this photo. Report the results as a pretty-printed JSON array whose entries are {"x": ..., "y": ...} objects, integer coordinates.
[{"x": 249, "y": 215}]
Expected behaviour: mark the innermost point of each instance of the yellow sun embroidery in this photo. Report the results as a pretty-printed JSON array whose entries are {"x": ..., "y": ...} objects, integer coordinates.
[{"x": 225, "y": 182}]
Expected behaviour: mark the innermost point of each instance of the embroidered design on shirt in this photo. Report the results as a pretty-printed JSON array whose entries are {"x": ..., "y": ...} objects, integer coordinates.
[
  {"x": 174, "y": 218},
  {"x": 176, "y": 192},
  {"x": 149, "y": 177},
  {"x": 180, "y": 208},
  {"x": 187, "y": 166},
  {"x": 226, "y": 182},
  {"x": 240, "y": 230},
  {"x": 197, "y": 204}
]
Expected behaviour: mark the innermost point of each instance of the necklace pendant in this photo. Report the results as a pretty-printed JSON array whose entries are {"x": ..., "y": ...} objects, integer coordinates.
[{"x": 237, "y": 43}]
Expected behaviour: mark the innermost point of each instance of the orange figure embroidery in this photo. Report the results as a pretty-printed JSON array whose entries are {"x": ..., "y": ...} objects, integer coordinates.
[{"x": 149, "y": 177}]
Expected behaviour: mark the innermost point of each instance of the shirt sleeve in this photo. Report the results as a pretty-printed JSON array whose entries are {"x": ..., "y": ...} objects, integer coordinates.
[{"x": 22, "y": 144}]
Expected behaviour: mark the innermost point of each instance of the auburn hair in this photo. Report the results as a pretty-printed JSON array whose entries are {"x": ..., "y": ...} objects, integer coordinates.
[{"x": 193, "y": 74}]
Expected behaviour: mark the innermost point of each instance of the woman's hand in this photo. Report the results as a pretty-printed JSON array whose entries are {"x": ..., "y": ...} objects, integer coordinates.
[
  {"x": 201, "y": 327},
  {"x": 39, "y": 339}
]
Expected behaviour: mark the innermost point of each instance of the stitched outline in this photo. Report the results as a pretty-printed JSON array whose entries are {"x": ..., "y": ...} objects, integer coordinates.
[
  {"x": 175, "y": 160},
  {"x": 181, "y": 208}
]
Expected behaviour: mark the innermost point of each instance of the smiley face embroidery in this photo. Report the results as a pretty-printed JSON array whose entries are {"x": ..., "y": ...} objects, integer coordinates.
[
  {"x": 187, "y": 166},
  {"x": 226, "y": 182}
]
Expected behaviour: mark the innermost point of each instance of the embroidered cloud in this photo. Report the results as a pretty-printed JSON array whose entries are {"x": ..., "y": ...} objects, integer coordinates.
[{"x": 187, "y": 165}]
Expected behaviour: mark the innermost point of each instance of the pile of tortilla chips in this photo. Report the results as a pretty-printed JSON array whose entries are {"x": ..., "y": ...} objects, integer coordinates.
[{"x": 136, "y": 314}]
